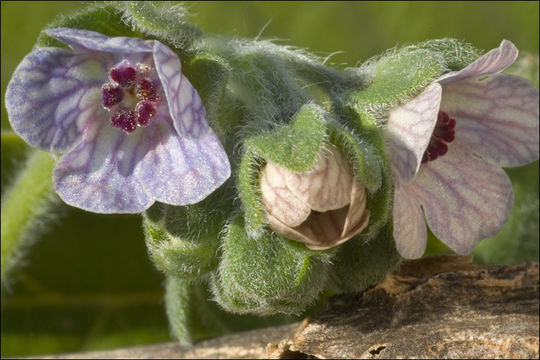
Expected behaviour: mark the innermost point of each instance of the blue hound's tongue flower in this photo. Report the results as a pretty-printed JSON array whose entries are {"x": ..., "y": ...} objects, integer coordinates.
[
  {"x": 447, "y": 147},
  {"x": 131, "y": 127}
]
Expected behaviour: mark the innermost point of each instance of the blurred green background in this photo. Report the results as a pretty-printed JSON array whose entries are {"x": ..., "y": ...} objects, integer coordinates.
[{"x": 88, "y": 284}]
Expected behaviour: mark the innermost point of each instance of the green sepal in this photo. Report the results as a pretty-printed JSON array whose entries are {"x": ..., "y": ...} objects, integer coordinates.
[
  {"x": 296, "y": 145},
  {"x": 360, "y": 264},
  {"x": 182, "y": 241},
  {"x": 249, "y": 171},
  {"x": 397, "y": 77},
  {"x": 268, "y": 275},
  {"x": 365, "y": 147},
  {"x": 140, "y": 19},
  {"x": 456, "y": 54},
  {"x": 104, "y": 19},
  {"x": 209, "y": 74},
  {"x": 194, "y": 315},
  {"x": 161, "y": 20}
]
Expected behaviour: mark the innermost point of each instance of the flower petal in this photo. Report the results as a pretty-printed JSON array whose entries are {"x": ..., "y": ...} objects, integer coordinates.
[
  {"x": 409, "y": 130},
  {"x": 278, "y": 198},
  {"x": 53, "y": 96},
  {"x": 185, "y": 105},
  {"x": 492, "y": 62},
  {"x": 357, "y": 209},
  {"x": 465, "y": 199},
  {"x": 497, "y": 118},
  {"x": 410, "y": 231},
  {"x": 90, "y": 40},
  {"x": 98, "y": 175},
  {"x": 177, "y": 170},
  {"x": 327, "y": 186}
]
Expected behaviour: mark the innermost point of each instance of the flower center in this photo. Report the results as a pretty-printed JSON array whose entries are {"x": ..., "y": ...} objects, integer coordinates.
[
  {"x": 130, "y": 96},
  {"x": 443, "y": 133}
]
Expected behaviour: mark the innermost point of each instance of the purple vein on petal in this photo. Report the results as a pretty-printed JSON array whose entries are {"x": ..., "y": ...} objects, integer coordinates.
[
  {"x": 496, "y": 118},
  {"x": 177, "y": 170},
  {"x": 98, "y": 175},
  {"x": 409, "y": 130},
  {"x": 465, "y": 199},
  {"x": 185, "y": 105},
  {"x": 49, "y": 88},
  {"x": 490, "y": 63},
  {"x": 409, "y": 231},
  {"x": 90, "y": 40}
]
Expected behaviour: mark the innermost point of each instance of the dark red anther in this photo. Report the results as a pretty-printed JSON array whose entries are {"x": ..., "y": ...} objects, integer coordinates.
[
  {"x": 145, "y": 110},
  {"x": 145, "y": 90},
  {"x": 443, "y": 133},
  {"x": 111, "y": 94},
  {"x": 124, "y": 75},
  {"x": 125, "y": 119}
]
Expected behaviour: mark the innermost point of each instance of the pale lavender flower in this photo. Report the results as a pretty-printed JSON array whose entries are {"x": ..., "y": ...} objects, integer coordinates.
[
  {"x": 130, "y": 126},
  {"x": 447, "y": 147}
]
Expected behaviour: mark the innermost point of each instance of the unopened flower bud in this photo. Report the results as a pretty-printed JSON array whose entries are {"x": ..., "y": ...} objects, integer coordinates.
[{"x": 322, "y": 207}]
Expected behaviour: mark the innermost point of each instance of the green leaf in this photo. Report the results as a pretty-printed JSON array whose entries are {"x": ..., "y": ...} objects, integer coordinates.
[{"x": 268, "y": 275}]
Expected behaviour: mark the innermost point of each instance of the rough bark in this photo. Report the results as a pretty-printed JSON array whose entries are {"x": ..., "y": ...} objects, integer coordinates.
[{"x": 443, "y": 307}]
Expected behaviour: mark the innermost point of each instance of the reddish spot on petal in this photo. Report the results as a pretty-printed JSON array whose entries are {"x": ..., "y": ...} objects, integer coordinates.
[
  {"x": 125, "y": 119},
  {"x": 124, "y": 75},
  {"x": 111, "y": 94},
  {"x": 145, "y": 111}
]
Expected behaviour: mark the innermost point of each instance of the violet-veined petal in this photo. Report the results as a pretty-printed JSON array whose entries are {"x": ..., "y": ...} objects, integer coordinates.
[
  {"x": 185, "y": 105},
  {"x": 409, "y": 130},
  {"x": 492, "y": 62},
  {"x": 54, "y": 95},
  {"x": 327, "y": 186},
  {"x": 177, "y": 170},
  {"x": 98, "y": 175},
  {"x": 465, "y": 198},
  {"x": 278, "y": 198},
  {"x": 496, "y": 118},
  {"x": 410, "y": 231},
  {"x": 83, "y": 39}
]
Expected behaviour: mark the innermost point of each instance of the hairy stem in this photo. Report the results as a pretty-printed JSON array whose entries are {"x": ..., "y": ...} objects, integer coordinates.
[{"x": 24, "y": 207}]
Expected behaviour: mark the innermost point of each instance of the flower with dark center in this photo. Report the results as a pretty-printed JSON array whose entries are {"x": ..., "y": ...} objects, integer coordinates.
[
  {"x": 131, "y": 127},
  {"x": 447, "y": 146}
]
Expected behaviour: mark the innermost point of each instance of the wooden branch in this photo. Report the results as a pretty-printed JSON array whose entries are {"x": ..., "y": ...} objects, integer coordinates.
[{"x": 441, "y": 307}]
